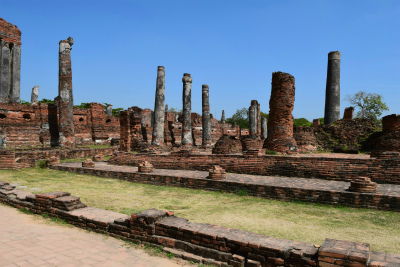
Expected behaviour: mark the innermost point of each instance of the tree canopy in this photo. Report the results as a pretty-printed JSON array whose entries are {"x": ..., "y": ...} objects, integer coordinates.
[{"x": 368, "y": 105}]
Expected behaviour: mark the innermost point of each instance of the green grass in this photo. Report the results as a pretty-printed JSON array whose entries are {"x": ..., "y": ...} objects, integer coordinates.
[
  {"x": 81, "y": 159},
  {"x": 299, "y": 221}
]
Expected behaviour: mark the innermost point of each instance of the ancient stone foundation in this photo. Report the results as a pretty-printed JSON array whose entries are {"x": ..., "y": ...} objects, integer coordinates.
[
  {"x": 305, "y": 139},
  {"x": 227, "y": 145},
  {"x": 280, "y": 123},
  {"x": 205, "y": 243}
]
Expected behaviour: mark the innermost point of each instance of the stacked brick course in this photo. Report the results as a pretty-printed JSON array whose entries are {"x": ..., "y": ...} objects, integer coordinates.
[
  {"x": 305, "y": 139},
  {"x": 389, "y": 139},
  {"x": 280, "y": 123},
  {"x": 227, "y": 145},
  {"x": 206, "y": 243},
  {"x": 338, "y": 169}
]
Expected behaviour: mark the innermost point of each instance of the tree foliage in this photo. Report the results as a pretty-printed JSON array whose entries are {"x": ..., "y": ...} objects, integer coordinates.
[
  {"x": 241, "y": 118},
  {"x": 115, "y": 111},
  {"x": 302, "y": 122},
  {"x": 83, "y": 105},
  {"x": 368, "y": 105},
  {"x": 46, "y": 101}
]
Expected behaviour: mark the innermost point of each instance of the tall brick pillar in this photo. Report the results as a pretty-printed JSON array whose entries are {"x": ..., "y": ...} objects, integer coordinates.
[
  {"x": 65, "y": 97},
  {"x": 125, "y": 131},
  {"x": 158, "y": 127},
  {"x": 264, "y": 129},
  {"x": 332, "y": 96},
  {"x": 10, "y": 62},
  {"x": 187, "y": 110},
  {"x": 223, "y": 116},
  {"x": 206, "y": 119},
  {"x": 252, "y": 121},
  {"x": 280, "y": 123}
]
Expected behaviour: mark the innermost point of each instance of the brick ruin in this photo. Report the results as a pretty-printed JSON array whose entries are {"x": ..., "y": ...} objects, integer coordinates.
[
  {"x": 37, "y": 125},
  {"x": 10, "y": 62}
]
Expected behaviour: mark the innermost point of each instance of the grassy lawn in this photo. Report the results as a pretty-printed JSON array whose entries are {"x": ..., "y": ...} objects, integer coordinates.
[{"x": 310, "y": 223}]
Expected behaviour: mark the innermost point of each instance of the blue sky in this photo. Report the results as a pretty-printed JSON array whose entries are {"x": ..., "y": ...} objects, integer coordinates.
[{"x": 233, "y": 46}]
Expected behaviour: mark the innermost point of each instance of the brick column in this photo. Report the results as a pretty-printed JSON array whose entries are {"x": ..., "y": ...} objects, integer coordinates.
[
  {"x": 65, "y": 99},
  {"x": 125, "y": 131},
  {"x": 15, "y": 74},
  {"x": 264, "y": 129},
  {"x": 158, "y": 127},
  {"x": 4, "y": 71},
  {"x": 252, "y": 121},
  {"x": 206, "y": 119},
  {"x": 35, "y": 95},
  {"x": 223, "y": 116},
  {"x": 332, "y": 97},
  {"x": 280, "y": 123},
  {"x": 187, "y": 110}
]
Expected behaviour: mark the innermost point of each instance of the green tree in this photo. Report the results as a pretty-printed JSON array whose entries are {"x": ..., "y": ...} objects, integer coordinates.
[
  {"x": 46, "y": 101},
  {"x": 241, "y": 118},
  {"x": 368, "y": 105},
  {"x": 302, "y": 122},
  {"x": 23, "y": 102},
  {"x": 83, "y": 105}
]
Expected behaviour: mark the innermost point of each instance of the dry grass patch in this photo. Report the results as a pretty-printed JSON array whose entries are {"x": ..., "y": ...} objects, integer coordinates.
[{"x": 310, "y": 223}]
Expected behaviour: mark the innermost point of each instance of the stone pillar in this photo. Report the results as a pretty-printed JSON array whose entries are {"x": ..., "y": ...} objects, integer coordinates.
[
  {"x": 252, "y": 121},
  {"x": 15, "y": 74},
  {"x": 223, "y": 116},
  {"x": 332, "y": 97},
  {"x": 125, "y": 131},
  {"x": 65, "y": 101},
  {"x": 264, "y": 129},
  {"x": 109, "y": 109},
  {"x": 206, "y": 119},
  {"x": 4, "y": 72},
  {"x": 158, "y": 126},
  {"x": 257, "y": 120},
  {"x": 166, "y": 108},
  {"x": 187, "y": 110},
  {"x": 35, "y": 95},
  {"x": 280, "y": 123}
]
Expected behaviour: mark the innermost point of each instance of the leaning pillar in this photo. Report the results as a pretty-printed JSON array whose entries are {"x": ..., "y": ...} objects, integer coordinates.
[
  {"x": 4, "y": 71},
  {"x": 332, "y": 97},
  {"x": 280, "y": 123},
  {"x": 252, "y": 121},
  {"x": 65, "y": 102},
  {"x": 158, "y": 127},
  {"x": 187, "y": 110},
  {"x": 35, "y": 95},
  {"x": 206, "y": 119},
  {"x": 264, "y": 129},
  {"x": 15, "y": 74}
]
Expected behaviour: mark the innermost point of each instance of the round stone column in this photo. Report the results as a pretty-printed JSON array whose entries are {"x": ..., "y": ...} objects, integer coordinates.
[
  {"x": 158, "y": 127},
  {"x": 332, "y": 96},
  {"x": 187, "y": 110},
  {"x": 206, "y": 120}
]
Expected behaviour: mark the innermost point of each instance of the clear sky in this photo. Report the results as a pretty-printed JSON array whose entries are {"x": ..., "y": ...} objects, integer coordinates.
[{"x": 233, "y": 46}]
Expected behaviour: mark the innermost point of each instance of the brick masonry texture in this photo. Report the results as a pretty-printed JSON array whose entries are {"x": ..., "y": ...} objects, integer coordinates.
[
  {"x": 206, "y": 243},
  {"x": 26, "y": 159},
  {"x": 280, "y": 122},
  {"x": 37, "y": 125},
  {"x": 387, "y": 196},
  {"x": 9, "y": 32},
  {"x": 338, "y": 169}
]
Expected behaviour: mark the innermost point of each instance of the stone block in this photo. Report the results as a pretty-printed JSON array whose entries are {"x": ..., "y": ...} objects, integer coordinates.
[
  {"x": 88, "y": 163},
  {"x": 217, "y": 173}
]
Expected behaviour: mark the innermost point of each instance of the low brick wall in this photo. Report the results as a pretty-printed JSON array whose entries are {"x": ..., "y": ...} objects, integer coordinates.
[
  {"x": 204, "y": 243},
  {"x": 338, "y": 169},
  {"x": 329, "y": 197},
  {"x": 7, "y": 160}
]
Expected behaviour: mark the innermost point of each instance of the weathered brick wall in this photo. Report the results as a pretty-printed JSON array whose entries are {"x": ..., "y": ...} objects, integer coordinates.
[
  {"x": 209, "y": 244},
  {"x": 7, "y": 160},
  {"x": 389, "y": 138},
  {"x": 9, "y": 32},
  {"x": 37, "y": 125},
  {"x": 227, "y": 145},
  {"x": 305, "y": 139},
  {"x": 339, "y": 169}
]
